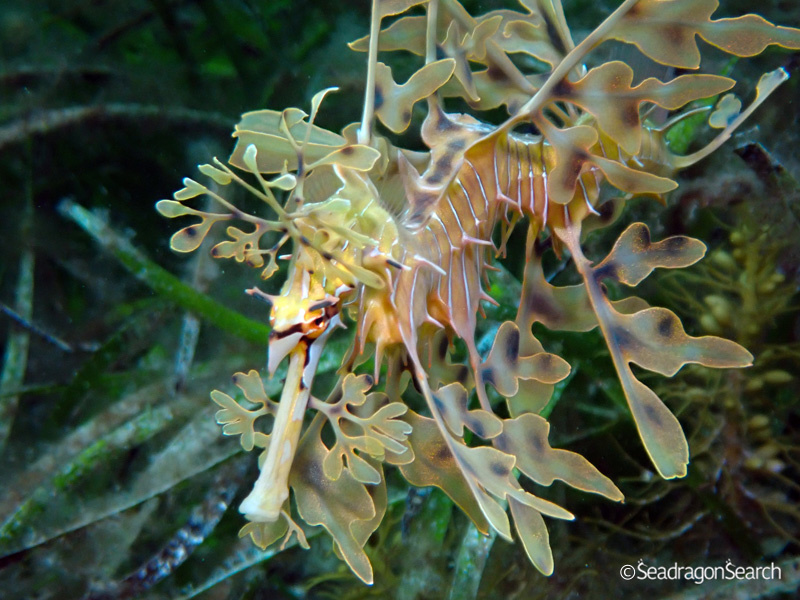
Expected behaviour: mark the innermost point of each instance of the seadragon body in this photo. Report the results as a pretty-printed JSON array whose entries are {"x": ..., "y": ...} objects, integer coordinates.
[{"x": 400, "y": 243}]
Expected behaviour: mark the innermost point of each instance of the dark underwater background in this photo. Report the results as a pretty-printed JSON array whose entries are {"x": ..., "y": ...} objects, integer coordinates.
[{"x": 114, "y": 477}]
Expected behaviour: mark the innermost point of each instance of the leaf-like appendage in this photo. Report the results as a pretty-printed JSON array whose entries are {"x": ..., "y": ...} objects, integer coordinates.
[
  {"x": 606, "y": 93},
  {"x": 727, "y": 109},
  {"x": 572, "y": 147},
  {"x": 631, "y": 180},
  {"x": 189, "y": 238},
  {"x": 271, "y": 268},
  {"x": 253, "y": 389},
  {"x": 665, "y": 30},
  {"x": 455, "y": 48},
  {"x": 573, "y": 155},
  {"x": 634, "y": 256},
  {"x": 173, "y": 208},
  {"x": 387, "y": 8},
  {"x": 469, "y": 47},
  {"x": 379, "y": 418},
  {"x": 406, "y": 33},
  {"x": 263, "y": 129},
  {"x": 451, "y": 401},
  {"x": 488, "y": 40},
  {"x": 505, "y": 365},
  {"x": 340, "y": 505},
  {"x": 530, "y": 37},
  {"x": 572, "y": 150},
  {"x": 357, "y": 157},
  {"x": 526, "y": 438},
  {"x": 489, "y": 473},
  {"x": 442, "y": 370},
  {"x": 371, "y": 434},
  {"x": 729, "y": 117},
  {"x": 284, "y": 182},
  {"x": 219, "y": 176},
  {"x": 488, "y": 469},
  {"x": 265, "y": 534},
  {"x": 236, "y": 419},
  {"x": 492, "y": 92},
  {"x": 316, "y": 102},
  {"x": 362, "y": 530},
  {"x": 434, "y": 465},
  {"x": 485, "y": 29},
  {"x": 533, "y": 534},
  {"x": 191, "y": 189},
  {"x": 359, "y": 468},
  {"x": 244, "y": 247},
  {"x": 660, "y": 431},
  {"x": 654, "y": 339},
  {"x": 534, "y": 395},
  {"x": 560, "y": 308},
  {"x": 393, "y": 102}
]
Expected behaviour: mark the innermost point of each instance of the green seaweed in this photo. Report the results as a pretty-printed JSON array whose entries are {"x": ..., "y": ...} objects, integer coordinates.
[{"x": 161, "y": 281}]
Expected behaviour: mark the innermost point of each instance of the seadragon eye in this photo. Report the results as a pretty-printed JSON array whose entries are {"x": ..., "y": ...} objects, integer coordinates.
[{"x": 400, "y": 244}]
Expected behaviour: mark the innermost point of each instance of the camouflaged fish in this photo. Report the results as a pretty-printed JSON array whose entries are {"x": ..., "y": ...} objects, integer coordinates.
[{"x": 397, "y": 244}]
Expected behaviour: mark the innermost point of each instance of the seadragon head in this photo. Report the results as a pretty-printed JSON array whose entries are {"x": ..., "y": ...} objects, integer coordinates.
[{"x": 301, "y": 314}]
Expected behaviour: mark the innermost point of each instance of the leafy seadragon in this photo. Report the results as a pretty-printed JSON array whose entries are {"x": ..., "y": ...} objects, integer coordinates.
[{"x": 398, "y": 243}]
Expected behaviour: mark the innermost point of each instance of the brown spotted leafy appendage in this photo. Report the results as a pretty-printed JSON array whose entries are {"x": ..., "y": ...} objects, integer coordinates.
[
  {"x": 653, "y": 338},
  {"x": 607, "y": 94},
  {"x": 666, "y": 31},
  {"x": 398, "y": 243},
  {"x": 394, "y": 102},
  {"x": 373, "y": 435},
  {"x": 349, "y": 510}
]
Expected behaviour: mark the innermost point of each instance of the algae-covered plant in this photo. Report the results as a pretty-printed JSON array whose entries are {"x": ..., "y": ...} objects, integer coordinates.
[{"x": 440, "y": 363}]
